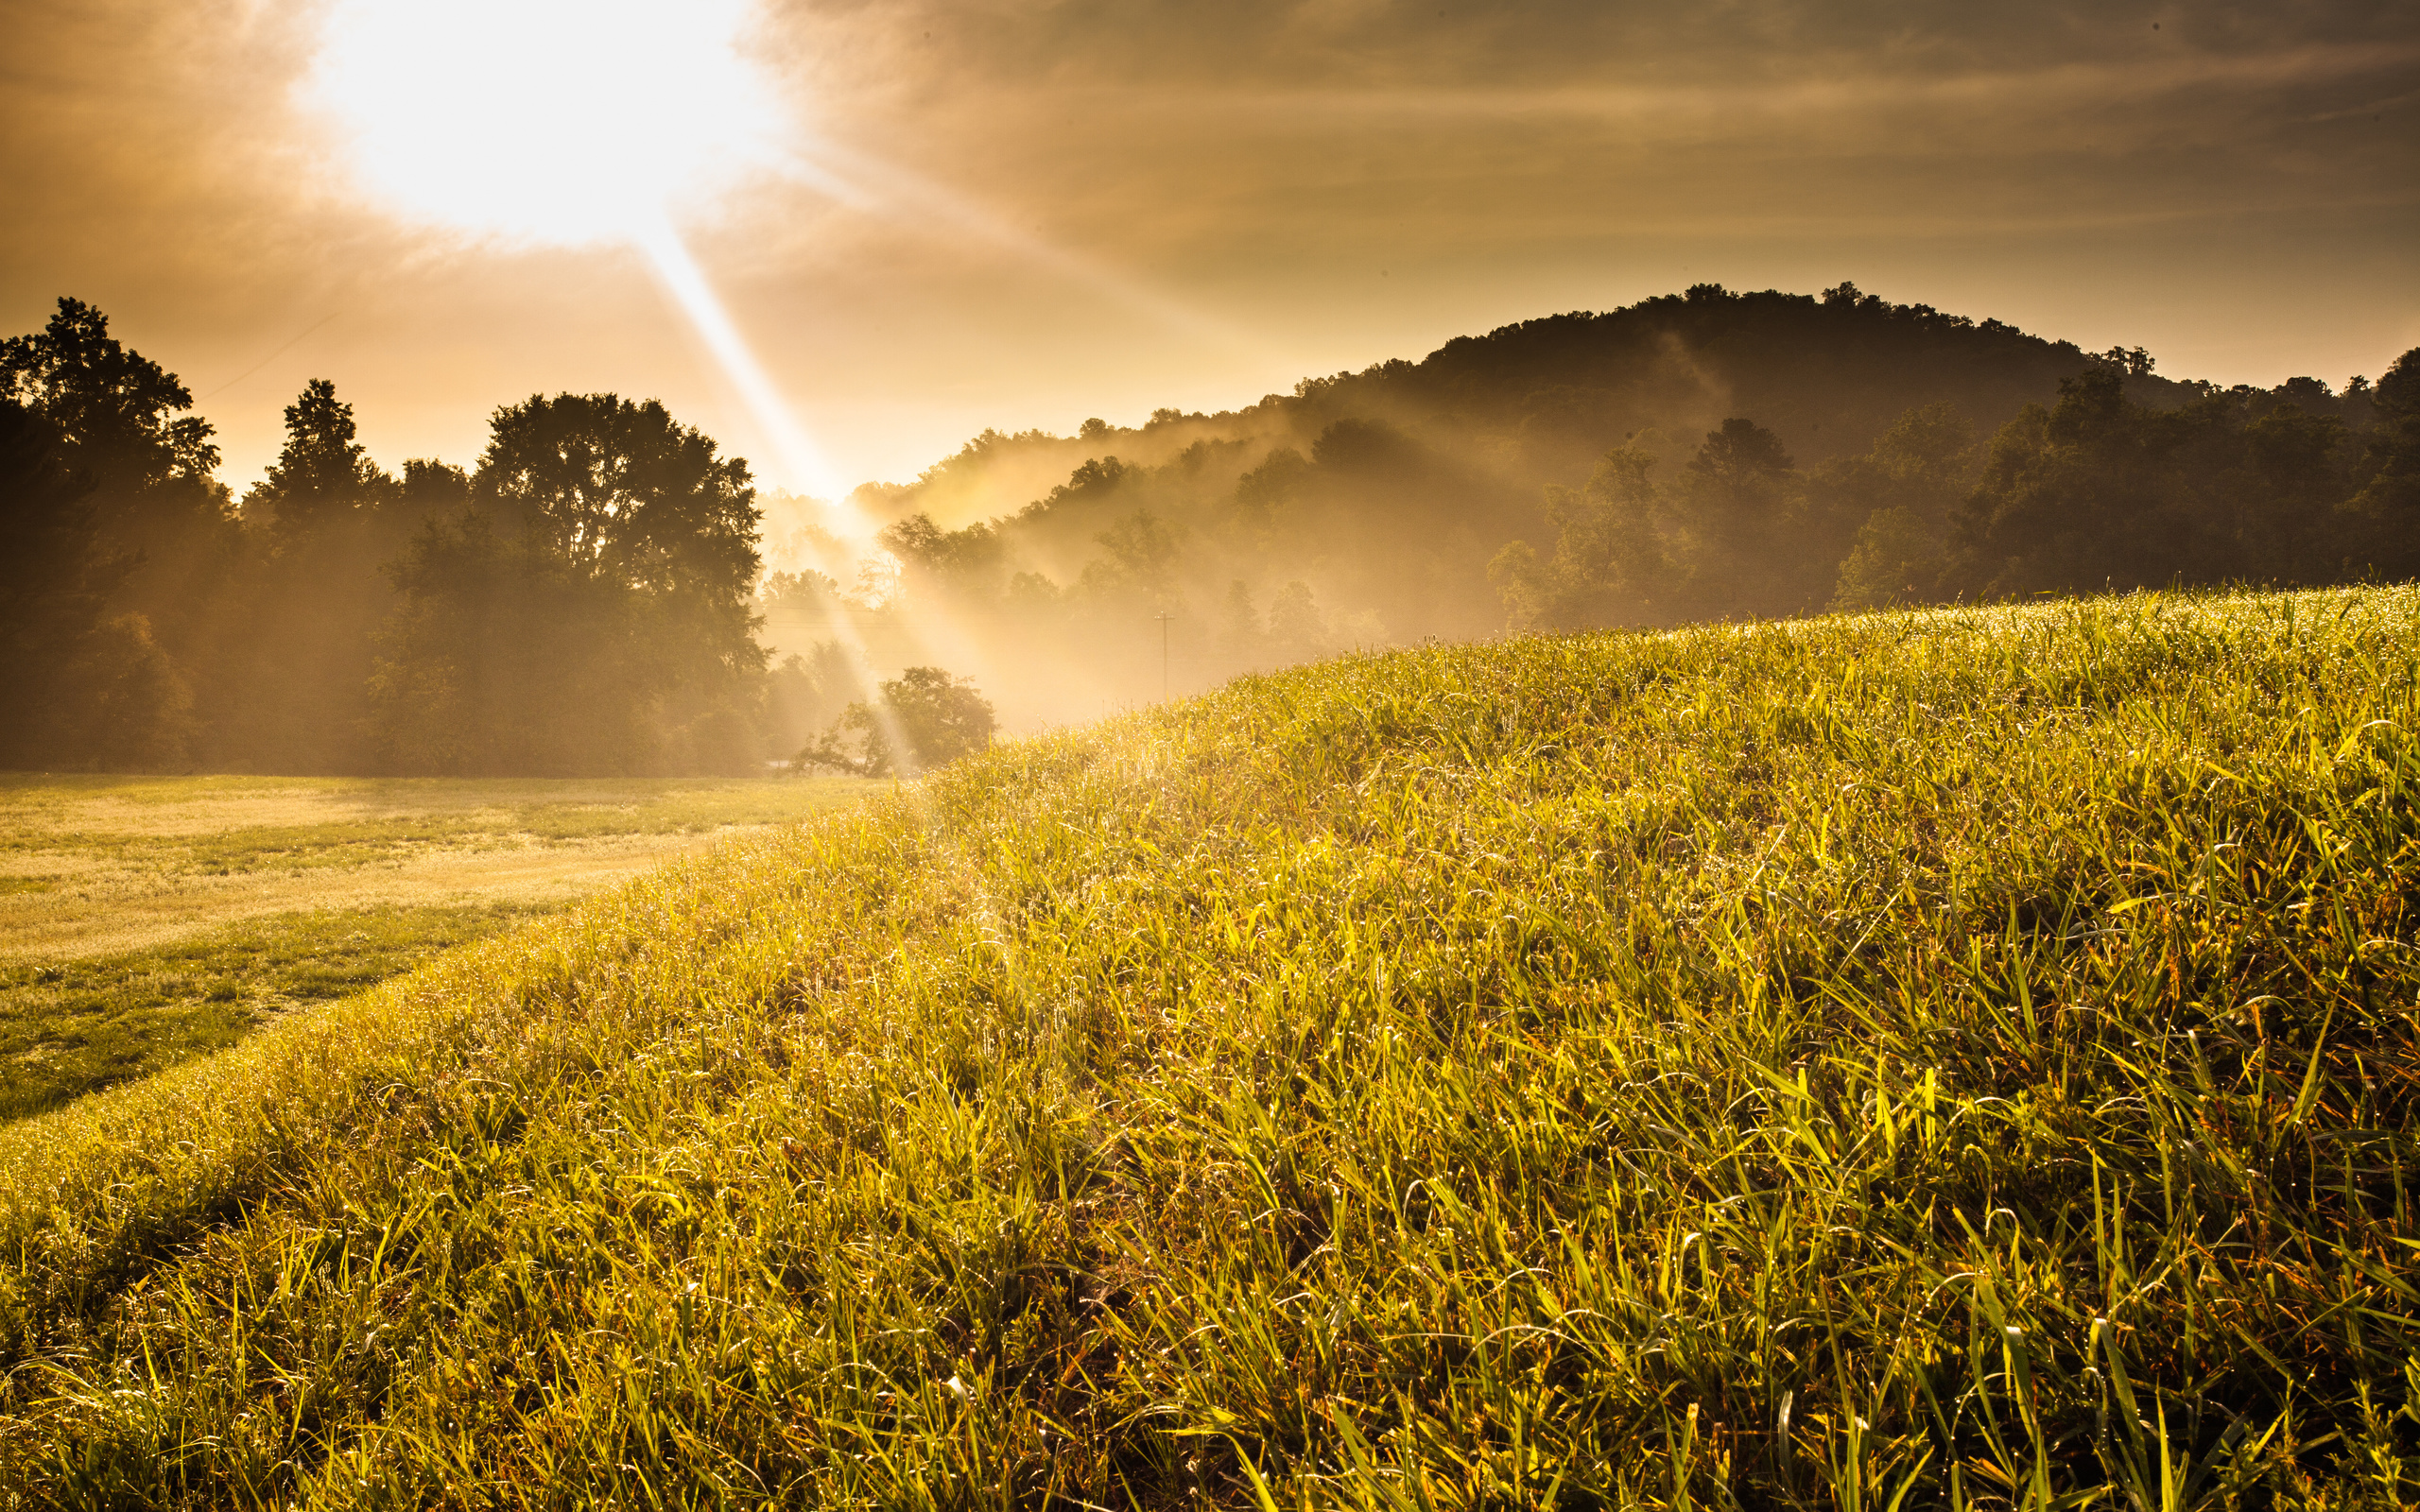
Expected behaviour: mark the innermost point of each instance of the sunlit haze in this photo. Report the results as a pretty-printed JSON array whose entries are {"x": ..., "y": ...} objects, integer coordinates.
[
  {"x": 541, "y": 120},
  {"x": 924, "y": 220}
]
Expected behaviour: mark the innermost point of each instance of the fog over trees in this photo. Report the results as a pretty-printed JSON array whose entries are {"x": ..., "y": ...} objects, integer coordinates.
[{"x": 604, "y": 591}]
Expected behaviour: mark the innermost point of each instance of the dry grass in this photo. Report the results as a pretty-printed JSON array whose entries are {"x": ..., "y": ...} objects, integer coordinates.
[
  {"x": 98, "y": 909},
  {"x": 104, "y": 865}
]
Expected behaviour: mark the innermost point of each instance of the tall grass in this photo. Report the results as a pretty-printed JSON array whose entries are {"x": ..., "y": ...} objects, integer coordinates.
[{"x": 1956, "y": 1060}]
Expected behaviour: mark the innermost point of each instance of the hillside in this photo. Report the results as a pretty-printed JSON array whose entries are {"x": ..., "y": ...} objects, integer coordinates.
[
  {"x": 1541, "y": 400},
  {"x": 1918, "y": 1059},
  {"x": 1707, "y": 456}
]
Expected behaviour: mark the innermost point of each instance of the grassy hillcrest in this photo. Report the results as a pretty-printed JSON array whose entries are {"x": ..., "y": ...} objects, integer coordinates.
[{"x": 1961, "y": 1058}]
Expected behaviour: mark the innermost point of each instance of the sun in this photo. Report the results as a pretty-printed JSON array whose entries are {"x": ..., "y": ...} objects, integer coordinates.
[{"x": 544, "y": 121}]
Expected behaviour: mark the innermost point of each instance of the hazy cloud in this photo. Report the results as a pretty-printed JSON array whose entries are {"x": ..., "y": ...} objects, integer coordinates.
[{"x": 1089, "y": 206}]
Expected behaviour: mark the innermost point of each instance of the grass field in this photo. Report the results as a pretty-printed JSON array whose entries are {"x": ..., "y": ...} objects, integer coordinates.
[
  {"x": 1956, "y": 1060},
  {"x": 147, "y": 919}
]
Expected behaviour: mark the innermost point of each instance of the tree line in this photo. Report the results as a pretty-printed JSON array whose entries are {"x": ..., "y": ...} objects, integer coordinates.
[
  {"x": 1703, "y": 454},
  {"x": 2098, "y": 491},
  {"x": 579, "y": 601},
  {"x": 591, "y": 594}
]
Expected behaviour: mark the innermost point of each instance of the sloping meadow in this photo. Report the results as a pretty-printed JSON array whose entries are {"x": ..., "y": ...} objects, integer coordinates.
[{"x": 1966, "y": 1057}]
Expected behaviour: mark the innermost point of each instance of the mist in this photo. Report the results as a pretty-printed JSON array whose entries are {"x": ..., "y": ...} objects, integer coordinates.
[
  {"x": 1698, "y": 457},
  {"x": 603, "y": 590}
]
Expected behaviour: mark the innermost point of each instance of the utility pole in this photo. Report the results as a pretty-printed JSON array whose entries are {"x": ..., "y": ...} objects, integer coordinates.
[{"x": 1164, "y": 616}]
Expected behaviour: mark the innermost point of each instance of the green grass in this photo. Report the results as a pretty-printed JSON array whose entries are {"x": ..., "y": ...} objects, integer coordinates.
[
  {"x": 1955, "y": 1059},
  {"x": 357, "y": 821},
  {"x": 170, "y": 916},
  {"x": 77, "y": 1025}
]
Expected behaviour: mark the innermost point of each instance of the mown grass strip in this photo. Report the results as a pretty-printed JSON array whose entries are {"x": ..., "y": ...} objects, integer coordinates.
[
  {"x": 1955, "y": 1058},
  {"x": 75, "y": 1026}
]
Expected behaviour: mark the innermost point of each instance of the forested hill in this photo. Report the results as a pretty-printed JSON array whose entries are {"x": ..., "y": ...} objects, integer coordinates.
[
  {"x": 1825, "y": 374},
  {"x": 1543, "y": 399},
  {"x": 1706, "y": 455}
]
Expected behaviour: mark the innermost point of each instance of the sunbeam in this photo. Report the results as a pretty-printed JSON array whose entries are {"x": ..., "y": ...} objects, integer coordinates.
[
  {"x": 800, "y": 458},
  {"x": 864, "y": 182},
  {"x": 621, "y": 114}
]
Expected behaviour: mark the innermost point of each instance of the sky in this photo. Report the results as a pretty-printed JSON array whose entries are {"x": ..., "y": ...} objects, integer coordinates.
[{"x": 903, "y": 223}]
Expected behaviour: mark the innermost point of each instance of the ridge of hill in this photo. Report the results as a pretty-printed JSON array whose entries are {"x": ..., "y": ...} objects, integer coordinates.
[
  {"x": 1936, "y": 1058},
  {"x": 1543, "y": 398}
]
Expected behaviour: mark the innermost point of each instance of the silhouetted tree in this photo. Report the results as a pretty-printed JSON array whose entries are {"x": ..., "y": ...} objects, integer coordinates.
[
  {"x": 118, "y": 418},
  {"x": 82, "y": 686},
  {"x": 2387, "y": 503},
  {"x": 590, "y": 611},
  {"x": 291, "y": 682},
  {"x": 117, "y": 413},
  {"x": 322, "y": 476}
]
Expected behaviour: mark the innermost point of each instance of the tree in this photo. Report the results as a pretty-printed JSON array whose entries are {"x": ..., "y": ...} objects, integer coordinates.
[
  {"x": 1240, "y": 636},
  {"x": 1297, "y": 631},
  {"x": 1735, "y": 534},
  {"x": 589, "y": 609},
  {"x": 2389, "y": 501},
  {"x": 1896, "y": 560},
  {"x": 965, "y": 565},
  {"x": 921, "y": 719},
  {"x": 295, "y": 656},
  {"x": 622, "y": 492},
  {"x": 1143, "y": 551},
  {"x": 117, "y": 417},
  {"x": 83, "y": 686},
  {"x": 1743, "y": 539},
  {"x": 807, "y": 693},
  {"x": 117, "y": 413},
  {"x": 2103, "y": 491},
  {"x": 1609, "y": 564},
  {"x": 323, "y": 475},
  {"x": 1903, "y": 491}
]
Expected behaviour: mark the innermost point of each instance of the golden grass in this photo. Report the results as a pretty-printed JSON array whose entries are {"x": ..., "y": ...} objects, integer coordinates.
[
  {"x": 102, "y": 910},
  {"x": 1964, "y": 1060},
  {"x": 111, "y": 875}
]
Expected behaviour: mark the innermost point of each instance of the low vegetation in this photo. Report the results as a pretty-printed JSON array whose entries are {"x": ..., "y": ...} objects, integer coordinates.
[
  {"x": 144, "y": 921},
  {"x": 1956, "y": 1058},
  {"x": 72, "y": 1026}
]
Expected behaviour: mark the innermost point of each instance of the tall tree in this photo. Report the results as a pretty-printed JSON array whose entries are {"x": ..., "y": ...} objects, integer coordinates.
[
  {"x": 296, "y": 656},
  {"x": 590, "y": 609},
  {"x": 323, "y": 476},
  {"x": 120, "y": 419},
  {"x": 117, "y": 417}
]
